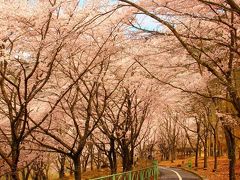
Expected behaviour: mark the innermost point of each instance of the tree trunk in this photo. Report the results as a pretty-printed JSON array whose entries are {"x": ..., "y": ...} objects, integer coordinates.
[
  {"x": 205, "y": 164},
  {"x": 98, "y": 164},
  {"x": 15, "y": 158},
  {"x": 220, "y": 149},
  {"x": 132, "y": 155},
  {"x": 210, "y": 145},
  {"x": 70, "y": 167},
  {"x": 172, "y": 154},
  {"x": 77, "y": 168},
  {"x": 196, "y": 157},
  {"x": 112, "y": 157},
  {"x": 197, "y": 145},
  {"x": 62, "y": 166},
  {"x": 200, "y": 151},
  {"x": 215, "y": 151},
  {"x": 85, "y": 162},
  {"x": 231, "y": 145},
  {"x": 126, "y": 161},
  {"x": 238, "y": 153},
  {"x": 7, "y": 177}
]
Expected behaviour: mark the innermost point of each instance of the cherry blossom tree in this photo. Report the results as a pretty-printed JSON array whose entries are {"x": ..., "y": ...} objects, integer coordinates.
[
  {"x": 81, "y": 110},
  {"x": 208, "y": 33},
  {"x": 169, "y": 132},
  {"x": 38, "y": 39},
  {"x": 132, "y": 117}
]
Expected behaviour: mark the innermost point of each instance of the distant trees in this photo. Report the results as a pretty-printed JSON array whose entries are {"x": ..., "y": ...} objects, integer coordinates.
[
  {"x": 207, "y": 31},
  {"x": 169, "y": 137},
  {"x": 122, "y": 127},
  {"x": 133, "y": 115}
]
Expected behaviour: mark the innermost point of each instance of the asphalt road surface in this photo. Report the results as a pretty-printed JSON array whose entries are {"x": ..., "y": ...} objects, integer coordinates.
[{"x": 176, "y": 174}]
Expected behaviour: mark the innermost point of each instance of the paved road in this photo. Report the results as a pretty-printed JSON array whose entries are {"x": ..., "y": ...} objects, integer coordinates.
[{"x": 176, "y": 174}]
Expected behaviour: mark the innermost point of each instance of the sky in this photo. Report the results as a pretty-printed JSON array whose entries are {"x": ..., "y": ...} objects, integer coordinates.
[
  {"x": 147, "y": 22},
  {"x": 143, "y": 20}
]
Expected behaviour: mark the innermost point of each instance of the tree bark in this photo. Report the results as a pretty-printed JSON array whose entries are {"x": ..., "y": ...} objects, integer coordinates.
[
  {"x": 62, "y": 166},
  {"x": 7, "y": 177},
  {"x": 215, "y": 151},
  {"x": 112, "y": 157},
  {"x": 132, "y": 155},
  {"x": 71, "y": 167},
  {"x": 77, "y": 168},
  {"x": 231, "y": 145},
  {"x": 205, "y": 164},
  {"x": 172, "y": 152},
  {"x": 15, "y": 159},
  {"x": 196, "y": 157},
  {"x": 197, "y": 145},
  {"x": 126, "y": 161},
  {"x": 238, "y": 153}
]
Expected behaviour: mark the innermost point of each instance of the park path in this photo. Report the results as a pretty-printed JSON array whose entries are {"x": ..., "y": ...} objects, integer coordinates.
[{"x": 176, "y": 174}]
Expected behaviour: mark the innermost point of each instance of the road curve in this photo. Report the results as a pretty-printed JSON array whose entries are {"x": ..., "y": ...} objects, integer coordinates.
[{"x": 176, "y": 174}]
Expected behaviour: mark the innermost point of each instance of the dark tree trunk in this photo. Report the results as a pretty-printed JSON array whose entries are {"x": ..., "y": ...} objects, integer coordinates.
[
  {"x": 15, "y": 159},
  {"x": 112, "y": 157},
  {"x": 215, "y": 151},
  {"x": 62, "y": 160},
  {"x": 172, "y": 154},
  {"x": 77, "y": 168},
  {"x": 205, "y": 164},
  {"x": 197, "y": 145},
  {"x": 200, "y": 151},
  {"x": 238, "y": 153},
  {"x": 71, "y": 167},
  {"x": 85, "y": 163},
  {"x": 14, "y": 173},
  {"x": 126, "y": 160},
  {"x": 231, "y": 145},
  {"x": 210, "y": 146},
  {"x": 196, "y": 157},
  {"x": 98, "y": 162},
  {"x": 132, "y": 155},
  {"x": 167, "y": 155}
]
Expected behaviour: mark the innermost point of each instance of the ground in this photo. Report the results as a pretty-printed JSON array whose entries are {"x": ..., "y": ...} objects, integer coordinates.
[{"x": 220, "y": 174}]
